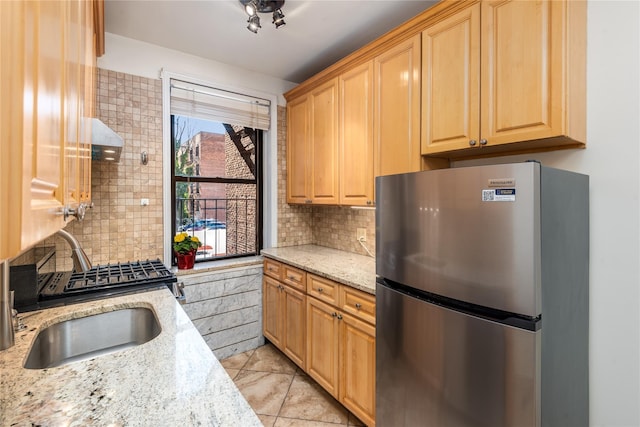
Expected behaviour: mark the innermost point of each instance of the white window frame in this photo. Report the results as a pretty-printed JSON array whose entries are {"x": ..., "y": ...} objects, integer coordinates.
[{"x": 269, "y": 160}]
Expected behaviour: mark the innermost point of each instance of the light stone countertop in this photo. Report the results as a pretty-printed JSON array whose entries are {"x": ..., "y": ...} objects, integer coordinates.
[
  {"x": 172, "y": 380},
  {"x": 357, "y": 271}
]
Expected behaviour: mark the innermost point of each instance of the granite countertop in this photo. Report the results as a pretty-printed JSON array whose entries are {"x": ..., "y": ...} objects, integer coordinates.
[
  {"x": 171, "y": 380},
  {"x": 357, "y": 271}
]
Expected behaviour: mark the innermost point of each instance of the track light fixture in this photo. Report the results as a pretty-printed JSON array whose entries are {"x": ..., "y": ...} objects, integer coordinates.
[{"x": 253, "y": 7}]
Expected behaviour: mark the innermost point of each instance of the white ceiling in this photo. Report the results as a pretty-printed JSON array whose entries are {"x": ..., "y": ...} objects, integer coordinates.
[{"x": 316, "y": 34}]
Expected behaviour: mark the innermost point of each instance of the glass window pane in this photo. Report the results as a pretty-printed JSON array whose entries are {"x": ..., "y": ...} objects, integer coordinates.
[
  {"x": 222, "y": 216},
  {"x": 214, "y": 150}
]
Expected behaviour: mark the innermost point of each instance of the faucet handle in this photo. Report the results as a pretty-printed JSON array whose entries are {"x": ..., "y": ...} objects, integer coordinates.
[{"x": 79, "y": 212}]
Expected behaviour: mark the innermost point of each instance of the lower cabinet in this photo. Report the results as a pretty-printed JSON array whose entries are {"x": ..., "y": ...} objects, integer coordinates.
[
  {"x": 327, "y": 329},
  {"x": 357, "y": 384},
  {"x": 284, "y": 316}
]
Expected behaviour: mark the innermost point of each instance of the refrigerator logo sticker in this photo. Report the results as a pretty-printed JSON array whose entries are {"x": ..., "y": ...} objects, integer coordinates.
[
  {"x": 499, "y": 195},
  {"x": 502, "y": 182}
]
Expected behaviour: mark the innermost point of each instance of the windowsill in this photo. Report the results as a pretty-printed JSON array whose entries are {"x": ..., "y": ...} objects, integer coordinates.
[{"x": 226, "y": 264}]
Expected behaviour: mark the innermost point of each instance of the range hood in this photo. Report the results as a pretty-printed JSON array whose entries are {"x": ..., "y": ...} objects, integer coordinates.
[{"x": 105, "y": 143}]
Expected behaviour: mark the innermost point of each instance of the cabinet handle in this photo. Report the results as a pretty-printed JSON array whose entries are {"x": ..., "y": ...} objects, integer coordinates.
[
  {"x": 320, "y": 289},
  {"x": 334, "y": 314},
  {"x": 308, "y": 201},
  {"x": 368, "y": 202},
  {"x": 358, "y": 306},
  {"x": 339, "y": 316},
  {"x": 291, "y": 278},
  {"x": 473, "y": 142},
  {"x": 483, "y": 142}
]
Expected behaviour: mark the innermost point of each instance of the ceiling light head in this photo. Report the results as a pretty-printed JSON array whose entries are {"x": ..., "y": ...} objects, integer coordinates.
[
  {"x": 278, "y": 18},
  {"x": 253, "y": 7},
  {"x": 254, "y": 23}
]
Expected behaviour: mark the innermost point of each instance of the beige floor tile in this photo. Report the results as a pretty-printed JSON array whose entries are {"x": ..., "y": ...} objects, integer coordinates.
[
  {"x": 267, "y": 420},
  {"x": 232, "y": 372},
  {"x": 306, "y": 400},
  {"x": 268, "y": 359},
  {"x": 237, "y": 361},
  {"x": 264, "y": 391},
  {"x": 292, "y": 422}
]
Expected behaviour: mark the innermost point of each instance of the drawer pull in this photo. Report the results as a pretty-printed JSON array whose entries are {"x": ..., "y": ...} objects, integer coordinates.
[
  {"x": 320, "y": 290},
  {"x": 358, "y": 306},
  {"x": 291, "y": 278},
  {"x": 339, "y": 316},
  {"x": 334, "y": 314}
]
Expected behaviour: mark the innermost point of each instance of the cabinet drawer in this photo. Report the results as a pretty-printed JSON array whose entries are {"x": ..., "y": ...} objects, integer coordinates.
[
  {"x": 294, "y": 277},
  {"x": 323, "y": 289},
  {"x": 360, "y": 304},
  {"x": 272, "y": 268}
]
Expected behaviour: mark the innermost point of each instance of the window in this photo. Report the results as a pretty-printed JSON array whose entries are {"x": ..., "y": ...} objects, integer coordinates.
[{"x": 216, "y": 180}]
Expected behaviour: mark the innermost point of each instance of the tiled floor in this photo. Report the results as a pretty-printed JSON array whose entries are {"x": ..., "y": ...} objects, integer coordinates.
[{"x": 282, "y": 394}]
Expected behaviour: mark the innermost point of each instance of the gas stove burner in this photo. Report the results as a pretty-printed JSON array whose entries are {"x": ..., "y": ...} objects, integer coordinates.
[{"x": 106, "y": 278}]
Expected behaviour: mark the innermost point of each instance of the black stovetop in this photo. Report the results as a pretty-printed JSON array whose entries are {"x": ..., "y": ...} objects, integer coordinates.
[{"x": 104, "y": 277}]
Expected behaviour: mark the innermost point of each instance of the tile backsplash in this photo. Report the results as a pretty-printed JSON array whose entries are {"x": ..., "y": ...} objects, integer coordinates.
[{"x": 119, "y": 229}]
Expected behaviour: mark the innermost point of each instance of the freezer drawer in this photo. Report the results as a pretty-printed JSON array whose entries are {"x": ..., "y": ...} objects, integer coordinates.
[{"x": 438, "y": 367}]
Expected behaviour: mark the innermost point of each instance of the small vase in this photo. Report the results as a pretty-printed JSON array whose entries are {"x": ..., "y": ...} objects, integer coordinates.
[{"x": 185, "y": 261}]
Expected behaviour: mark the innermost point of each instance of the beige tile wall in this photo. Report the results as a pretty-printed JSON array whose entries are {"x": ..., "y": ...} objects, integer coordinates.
[{"x": 118, "y": 228}]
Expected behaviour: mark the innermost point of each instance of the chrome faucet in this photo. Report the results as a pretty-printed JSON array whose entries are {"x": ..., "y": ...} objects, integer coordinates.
[
  {"x": 6, "y": 315},
  {"x": 80, "y": 259}
]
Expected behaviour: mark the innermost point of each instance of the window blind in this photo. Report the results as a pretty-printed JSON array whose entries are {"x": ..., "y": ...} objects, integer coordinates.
[{"x": 203, "y": 102}]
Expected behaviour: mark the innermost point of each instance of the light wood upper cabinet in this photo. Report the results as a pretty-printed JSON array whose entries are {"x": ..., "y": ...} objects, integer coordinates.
[
  {"x": 12, "y": 39},
  {"x": 356, "y": 136},
  {"x": 298, "y": 186},
  {"x": 312, "y": 146},
  {"x": 512, "y": 80},
  {"x": 397, "y": 108},
  {"x": 451, "y": 82},
  {"x": 47, "y": 87},
  {"x": 324, "y": 143}
]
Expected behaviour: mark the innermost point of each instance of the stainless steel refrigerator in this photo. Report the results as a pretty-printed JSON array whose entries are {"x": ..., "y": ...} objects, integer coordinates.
[{"x": 482, "y": 297}]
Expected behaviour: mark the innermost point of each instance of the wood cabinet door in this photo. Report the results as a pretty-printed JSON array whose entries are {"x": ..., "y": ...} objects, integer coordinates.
[
  {"x": 323, "y": 104},
  {"x": 298, "y": 155},
  {"x": 272, "y": 322},
  {"x": 451, "y": 82},
  {"x": 522, "y": 68},
  {"x": 43, "y": 139},
  {"x": 12, "y": 38},
  {"x": 73, "y": 99},
  {"x": 295, "y": 320},
  {"x": 322, "y": 345},
  {"x": 358, "y": 368},
  {"x": 87, "y": 105},
  {"x": 397, "y": 108},
  {"x": 356, "y": 136}
]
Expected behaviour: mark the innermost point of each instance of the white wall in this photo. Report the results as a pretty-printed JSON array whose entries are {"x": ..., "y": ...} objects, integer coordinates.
[
  {"x": 146, "y": 60},
  {"x": 612, "y": 160}
]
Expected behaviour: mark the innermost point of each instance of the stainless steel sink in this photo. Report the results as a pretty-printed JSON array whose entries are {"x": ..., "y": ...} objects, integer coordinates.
[{"x": 88, "y": 337}]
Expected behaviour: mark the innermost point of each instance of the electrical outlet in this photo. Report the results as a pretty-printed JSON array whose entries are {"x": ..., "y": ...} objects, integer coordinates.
[
  {"x": 144, "y": 202},
  {"x": 361, "y": 234}
]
